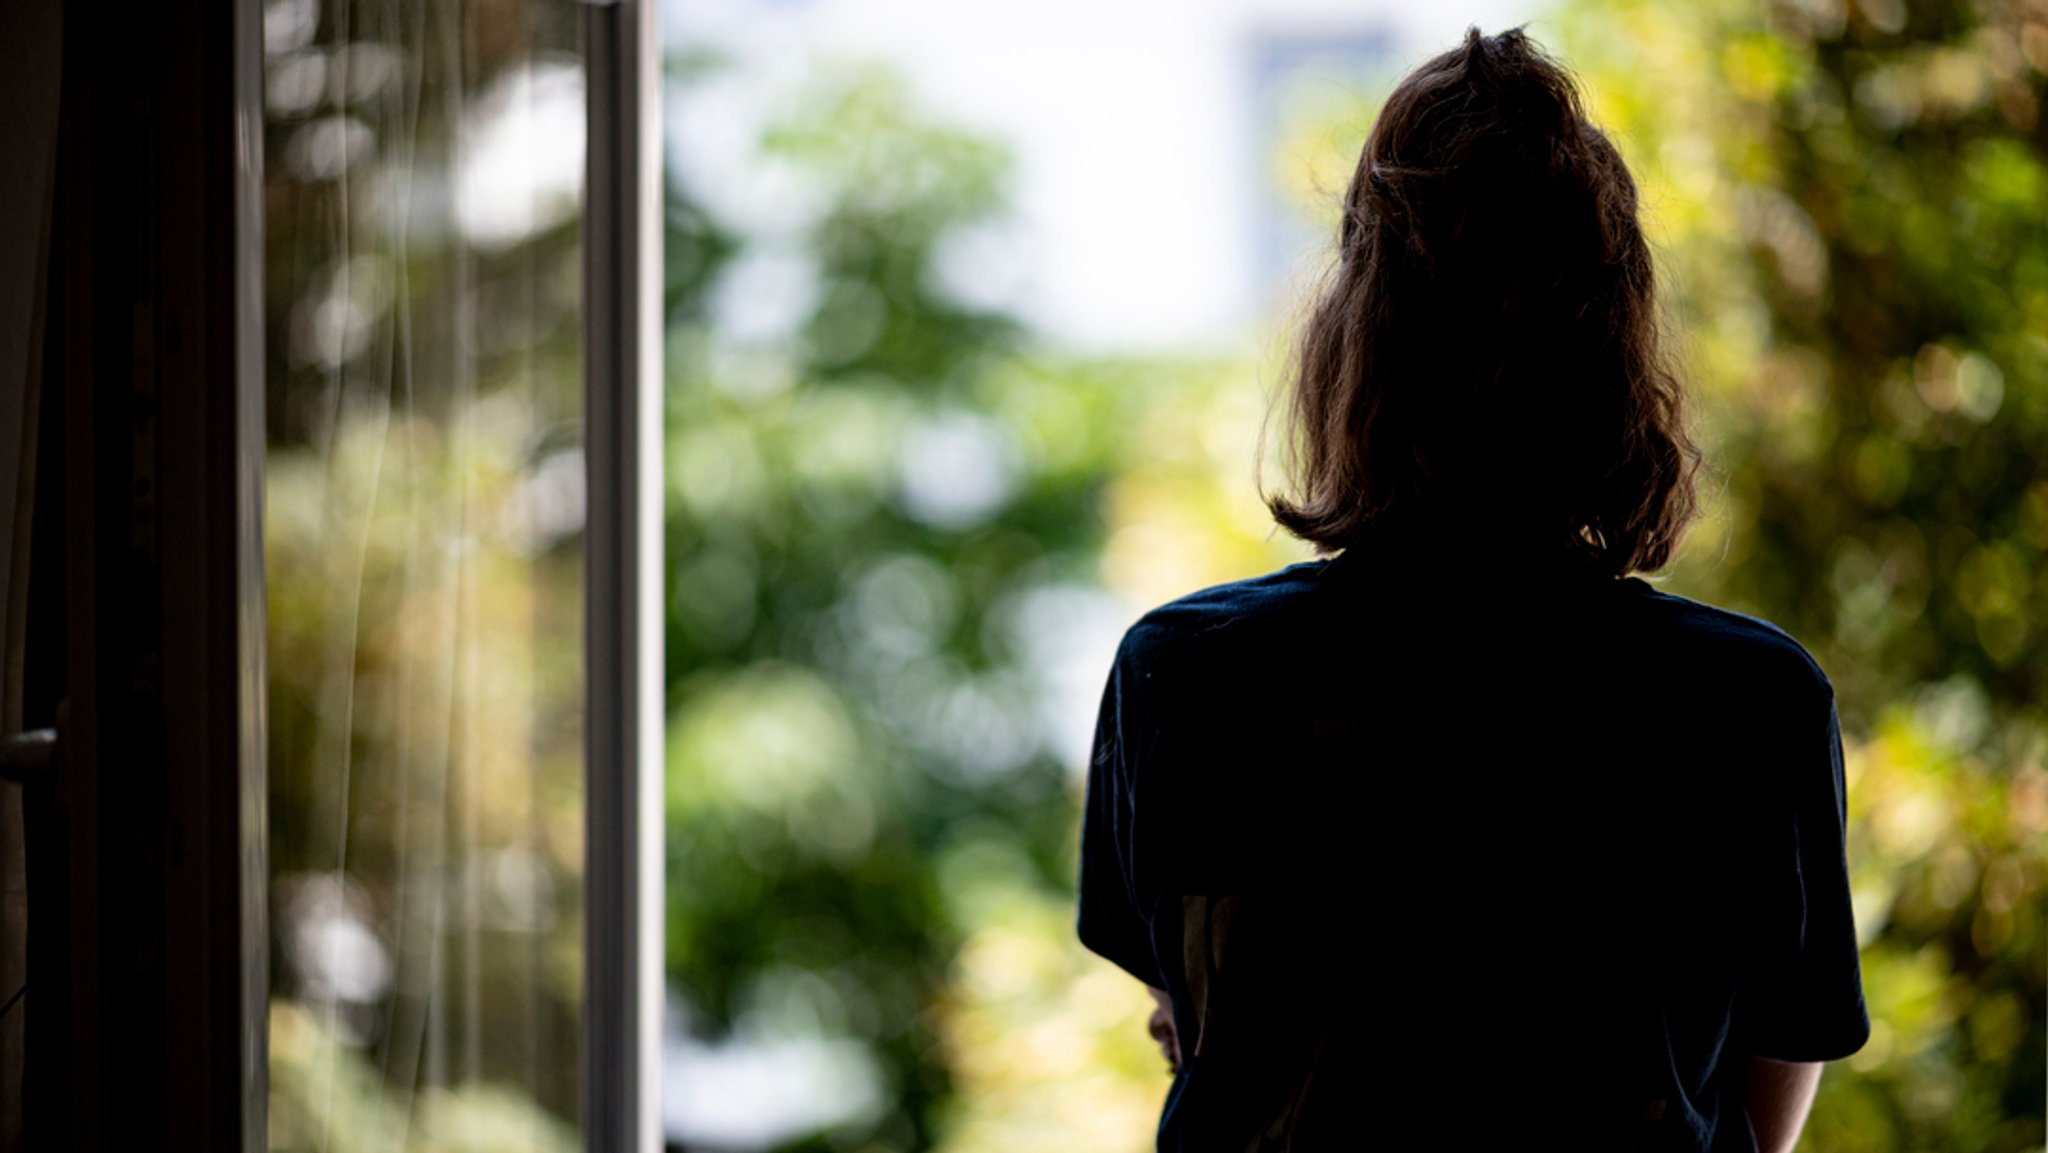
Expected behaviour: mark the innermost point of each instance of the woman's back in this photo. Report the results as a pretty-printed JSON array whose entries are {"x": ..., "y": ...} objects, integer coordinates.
[
  {"x": 1470, "y": 827},
  {"x": 1538, "y": 854}
]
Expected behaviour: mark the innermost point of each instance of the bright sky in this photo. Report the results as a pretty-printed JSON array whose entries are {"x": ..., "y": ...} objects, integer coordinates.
[{"x": 1139, "y": 214}]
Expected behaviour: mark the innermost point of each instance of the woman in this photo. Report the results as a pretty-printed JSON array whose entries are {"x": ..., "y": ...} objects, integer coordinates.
[{"x": 1464, "y": 835}]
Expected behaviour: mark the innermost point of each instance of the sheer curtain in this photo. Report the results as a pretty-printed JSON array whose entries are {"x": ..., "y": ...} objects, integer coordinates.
[{"x": 425, "y": 504}]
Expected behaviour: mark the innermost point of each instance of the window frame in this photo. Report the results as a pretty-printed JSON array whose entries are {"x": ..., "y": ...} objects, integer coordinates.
[
  {"x": 622, "y": 328},
  {"x": 150, "y": 856}
]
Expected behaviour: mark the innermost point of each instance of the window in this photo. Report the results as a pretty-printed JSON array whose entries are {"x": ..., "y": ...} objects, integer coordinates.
[{"x": 452, "y": 565}]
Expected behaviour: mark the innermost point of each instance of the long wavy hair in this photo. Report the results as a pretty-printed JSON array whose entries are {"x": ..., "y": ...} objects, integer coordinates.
[{"x": 1484, "y": 359}]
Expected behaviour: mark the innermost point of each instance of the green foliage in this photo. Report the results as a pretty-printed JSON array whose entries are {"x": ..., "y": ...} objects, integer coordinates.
[{"x": 852, "y": 699}]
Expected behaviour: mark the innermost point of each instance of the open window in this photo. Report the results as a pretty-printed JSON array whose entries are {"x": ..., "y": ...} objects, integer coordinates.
[{"x": 339, "y": 796}]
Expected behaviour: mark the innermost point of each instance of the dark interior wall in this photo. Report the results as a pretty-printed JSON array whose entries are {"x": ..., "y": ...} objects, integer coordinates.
[
  {"x": 30, "y": 34},
  {"x": 143, "y": 612}
]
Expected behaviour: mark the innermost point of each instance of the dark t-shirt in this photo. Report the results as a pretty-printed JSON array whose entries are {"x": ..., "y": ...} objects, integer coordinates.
[{"x": 1518, "y": 860}]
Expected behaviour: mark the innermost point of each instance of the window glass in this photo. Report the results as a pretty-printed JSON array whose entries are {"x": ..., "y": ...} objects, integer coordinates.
[{"x": 424, "y": 513}]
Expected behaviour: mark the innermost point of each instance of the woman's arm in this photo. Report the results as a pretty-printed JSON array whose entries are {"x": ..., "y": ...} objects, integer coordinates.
[
  {"x": 1161, "y": 1027},
  {"x": 1777, "y": 1095}
]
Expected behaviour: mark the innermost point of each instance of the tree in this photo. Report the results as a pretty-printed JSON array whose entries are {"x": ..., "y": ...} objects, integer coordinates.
[{"x": 876, "y": 499}]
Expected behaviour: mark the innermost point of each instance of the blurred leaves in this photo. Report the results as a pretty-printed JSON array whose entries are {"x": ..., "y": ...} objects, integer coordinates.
[
  {"x": 862, "y": 475},
  {"x": 889, "y": 513}
]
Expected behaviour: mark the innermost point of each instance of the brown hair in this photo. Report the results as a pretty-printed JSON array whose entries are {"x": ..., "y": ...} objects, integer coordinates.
[{"x": 1484, "y": 357}]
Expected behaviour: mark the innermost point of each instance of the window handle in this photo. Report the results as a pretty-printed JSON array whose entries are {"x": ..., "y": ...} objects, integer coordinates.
[{"x": 28, "y": 757}]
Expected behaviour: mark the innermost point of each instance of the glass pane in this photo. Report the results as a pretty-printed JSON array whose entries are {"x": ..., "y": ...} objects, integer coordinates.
[{"x": 425, "y": 506}]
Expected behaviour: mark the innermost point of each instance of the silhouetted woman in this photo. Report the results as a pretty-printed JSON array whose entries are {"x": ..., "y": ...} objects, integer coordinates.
[{"x": 1464, "y": 836}]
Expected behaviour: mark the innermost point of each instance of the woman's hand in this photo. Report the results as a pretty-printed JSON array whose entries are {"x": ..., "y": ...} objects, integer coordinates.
[{"x": 1160, "y": 1025}]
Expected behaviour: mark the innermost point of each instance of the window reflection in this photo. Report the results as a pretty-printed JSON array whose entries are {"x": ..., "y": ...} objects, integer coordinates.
[{"x": 425, "y": 507}]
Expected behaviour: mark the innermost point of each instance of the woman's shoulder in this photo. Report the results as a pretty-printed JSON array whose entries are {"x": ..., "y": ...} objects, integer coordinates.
[
  {"x": 1725, "y": 639},
  {"x": 1223, "y": 611}
]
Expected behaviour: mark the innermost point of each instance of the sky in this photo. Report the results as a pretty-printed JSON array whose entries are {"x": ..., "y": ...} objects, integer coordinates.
[{"x": 1141, "y": 221}]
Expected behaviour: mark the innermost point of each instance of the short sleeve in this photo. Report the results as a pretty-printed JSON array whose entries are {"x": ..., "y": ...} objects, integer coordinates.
[
  {"x": 1110, "y": 922},
  {"x": 1806, "y": 1003}
]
